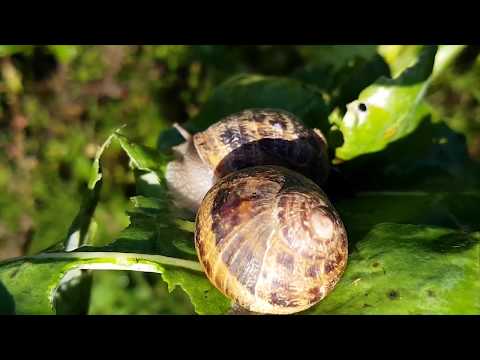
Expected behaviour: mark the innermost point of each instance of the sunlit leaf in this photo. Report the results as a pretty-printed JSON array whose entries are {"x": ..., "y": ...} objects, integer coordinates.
[
  {"x": 400, "y": 57},
  {"x": 30, "y": 284},
  {"x": 432, "y": 158},
  {"x": 408, "y": 269},
  {"x": 386, "y": 111}
]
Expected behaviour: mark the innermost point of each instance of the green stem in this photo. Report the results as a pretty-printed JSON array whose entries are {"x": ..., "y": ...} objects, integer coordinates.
[{"x": 116, "y": 261}]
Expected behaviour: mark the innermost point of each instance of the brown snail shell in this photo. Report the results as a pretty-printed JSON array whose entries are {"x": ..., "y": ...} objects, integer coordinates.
[
  {"x": 268, "y": 238},
  {"x": 248, "y": 138}
]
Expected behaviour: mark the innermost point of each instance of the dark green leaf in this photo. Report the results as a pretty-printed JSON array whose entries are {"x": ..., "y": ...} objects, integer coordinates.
[
  {"x": 433, "y": 158},
  {"x": 455, "y": 210},
  {"x": 256, "y": 91},
  {"x": 356, "y": 77},
  {"x": 343, "y": 85},
  {"x": 337, "y": 55}
]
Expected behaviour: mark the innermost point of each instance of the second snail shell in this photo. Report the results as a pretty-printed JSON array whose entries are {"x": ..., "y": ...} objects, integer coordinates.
[{"x": 244, "y": 139}]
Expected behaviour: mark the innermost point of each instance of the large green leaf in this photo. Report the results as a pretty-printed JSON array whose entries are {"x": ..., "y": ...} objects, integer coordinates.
[
  {"x": 386, "y": 111},
  {"x": 425, "y": 179},
  {"x": 30, "y": 284},
  {"x": 156, "y": 227},
  {"x": 455, "y": 210},
  {"x": 256, "y": 91},
  {"x": 343, "y": 85},
  {"x": 409, "y": 269}
]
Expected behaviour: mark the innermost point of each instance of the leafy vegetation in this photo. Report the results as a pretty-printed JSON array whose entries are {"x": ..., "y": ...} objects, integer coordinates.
[{"x": 404, "y": 140}]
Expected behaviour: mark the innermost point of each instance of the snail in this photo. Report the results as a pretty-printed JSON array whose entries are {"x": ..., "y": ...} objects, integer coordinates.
[
  {"x": 268, "y": 238},
  {"x": 247, "y": 138}
]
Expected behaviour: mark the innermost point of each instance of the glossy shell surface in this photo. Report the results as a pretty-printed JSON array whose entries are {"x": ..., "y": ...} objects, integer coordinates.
[
  {"x": 269, "y": 239},
  {"x": 263, "y": 137}
]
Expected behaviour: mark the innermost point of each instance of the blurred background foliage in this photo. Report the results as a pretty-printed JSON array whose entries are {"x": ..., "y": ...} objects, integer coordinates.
[{"x": 59, "y": 103}]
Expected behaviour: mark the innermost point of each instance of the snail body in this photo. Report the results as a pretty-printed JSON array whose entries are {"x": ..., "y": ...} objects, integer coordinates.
[
  {"x": 245, "y": 139},
  {"x": 268, "y": 238}
]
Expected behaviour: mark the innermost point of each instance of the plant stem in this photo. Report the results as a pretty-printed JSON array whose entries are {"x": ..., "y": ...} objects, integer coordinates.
[{"x": 116, "y": 261}]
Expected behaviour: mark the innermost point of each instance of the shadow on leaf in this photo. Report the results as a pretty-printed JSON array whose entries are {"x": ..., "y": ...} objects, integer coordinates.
[{"x": 7, "y": 303}]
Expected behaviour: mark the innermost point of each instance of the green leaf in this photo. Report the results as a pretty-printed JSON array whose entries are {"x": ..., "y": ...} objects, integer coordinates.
[
  {"x": 135, "y": 293},
  {"x": 142, "y": 157},
  {"x": 456, "y": 209},
  {"x": 73, "y": 291},
  {"x": 30, "y": 285},
  {"x": 343, "y": 85},
  {"x": 433, "y": 158},
  {"x": 352, "y": 79},
  {"x": 409, "y": 269},
  {"x": 256, "y": 91},
  {"x": 385, "y": 111},
  {"x": 79, "y": 233},
  {"x": 424, "y": 178},
  {"x": 206, "y": 299},
  {"x": 445, "y": 56},
  {"x": 155, "y": 229},
  {"x": 336, "y": 56},
  {"x": 96, "y": 170},
  {"x": 400, "y": 57}
]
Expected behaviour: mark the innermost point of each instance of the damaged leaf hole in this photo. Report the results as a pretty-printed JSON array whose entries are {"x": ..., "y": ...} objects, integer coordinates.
[
  {"x": 393, "y": 295},
  {"x": 362, "y": 107}
]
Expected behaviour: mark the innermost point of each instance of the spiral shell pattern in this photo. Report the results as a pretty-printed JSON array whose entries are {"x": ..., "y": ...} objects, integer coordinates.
[
  {"x": 263, "y": 137},
  {"x": 268, "y": 238}
]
